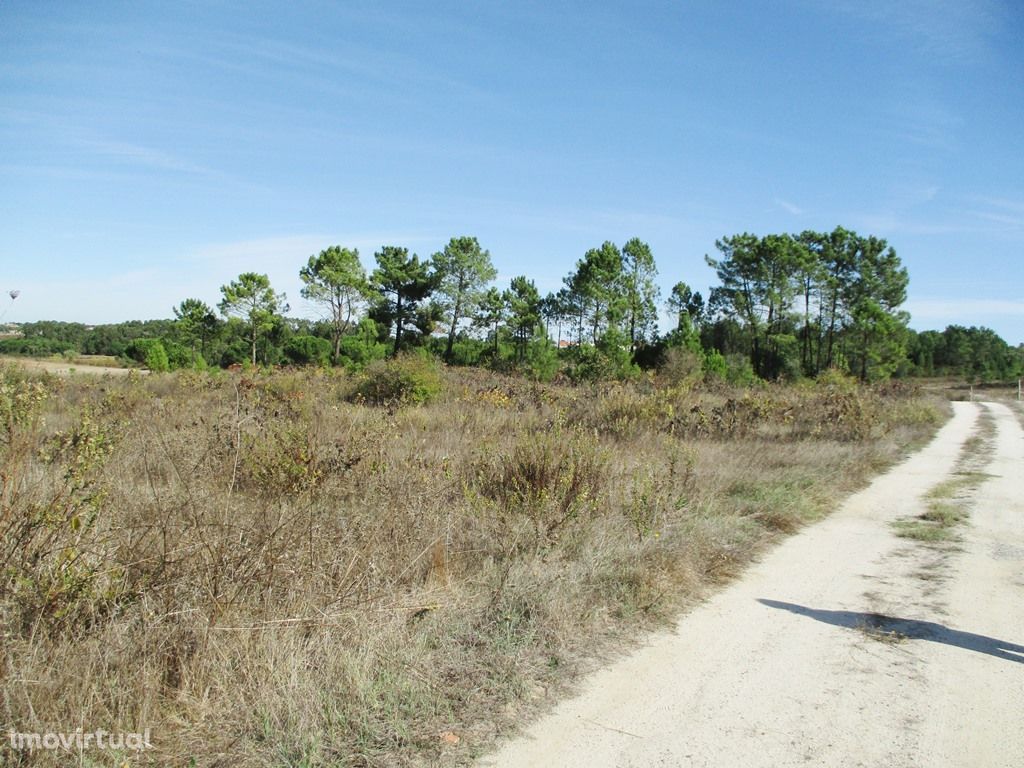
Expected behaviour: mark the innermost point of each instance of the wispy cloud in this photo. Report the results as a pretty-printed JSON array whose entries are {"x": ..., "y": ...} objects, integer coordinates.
[
  {"x": 952, "y": 309},
  {"x": 892, "y": 223},
  {"x": 112, "y": 154},
  {"x": 789, "y": 207},
  {"x": 281, "y": 258},
  {"x": 261, "y": 253},
  {"x": 122, "y": 158},
  {"x": 105, "y": 298},
  {"x": 914, "y": 114},
  {"x": 948, "y": 30},
  {"x": 146, "y": 156},
  {"x": 198, "y": 272},
  {"x": 1010, "y": 221},
  {"x": 1004, "y": 219},
  {"x": 1015, "y": 206},
  {"x": 370, "y": 72},
  {"x": 1008, "y": 213}
]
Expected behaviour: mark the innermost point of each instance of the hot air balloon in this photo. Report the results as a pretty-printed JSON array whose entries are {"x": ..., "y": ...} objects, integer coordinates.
[{"x": 13, "y": 295}]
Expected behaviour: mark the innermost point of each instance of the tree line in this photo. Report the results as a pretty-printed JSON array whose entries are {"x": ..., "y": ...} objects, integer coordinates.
[
  {"x": 808, "y": 302},
  {"x": 786, "y": 306}
]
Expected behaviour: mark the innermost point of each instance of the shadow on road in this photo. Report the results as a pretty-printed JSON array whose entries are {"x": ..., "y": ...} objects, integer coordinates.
[{"x": 910, "y": 629}]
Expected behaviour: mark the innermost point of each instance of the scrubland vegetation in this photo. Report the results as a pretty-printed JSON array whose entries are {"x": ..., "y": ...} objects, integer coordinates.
[{"x": 387, "y": 567}]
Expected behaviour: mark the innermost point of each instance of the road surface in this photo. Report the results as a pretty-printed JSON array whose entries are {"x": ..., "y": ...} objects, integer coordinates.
[{"x": 845, "y": 646}]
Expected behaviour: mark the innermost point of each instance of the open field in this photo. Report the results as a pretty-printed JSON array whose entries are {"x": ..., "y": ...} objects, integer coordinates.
[
  {"x": 293, "y": 569},
  {"x": 94, "y": 365},
  {"x": 956, "y": 389}
]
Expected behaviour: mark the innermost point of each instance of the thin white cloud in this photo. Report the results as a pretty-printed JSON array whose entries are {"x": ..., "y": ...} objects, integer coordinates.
[
  {"x": 963, "y": 308},
  {"x": 789, "y": 207},
  {"x": 912, "y": 113},
  {"x": 1008, "y": 213},
  {"x": 140, "y": 294},
  {"x": 913, "y": 210},
  {"x": 195, "y": 273},
  {"x": 1009, "y": 220},
  {"x": 888, "y": 224},
  {"x": 281, "y": 258},
  {"x": 265, "y": 253},
  {"x": 131, "y": 158},
  {"x": 950, "y": 30},
  {"x": 1014, "y": 206},
  {"x": 146, "y": 156}
]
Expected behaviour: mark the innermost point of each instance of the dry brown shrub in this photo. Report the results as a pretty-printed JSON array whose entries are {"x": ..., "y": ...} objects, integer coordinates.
[{"x": 263, "y": 573}]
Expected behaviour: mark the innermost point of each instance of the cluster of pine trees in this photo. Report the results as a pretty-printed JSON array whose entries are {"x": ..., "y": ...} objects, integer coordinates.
[
  {"x": 975, "y": 354},
  {"x": 804, "y": 303},
  {"x": 786, "y": 306}
]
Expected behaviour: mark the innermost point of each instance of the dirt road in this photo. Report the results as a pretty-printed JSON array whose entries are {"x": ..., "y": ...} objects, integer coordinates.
[{"x": 846, "y": 646}]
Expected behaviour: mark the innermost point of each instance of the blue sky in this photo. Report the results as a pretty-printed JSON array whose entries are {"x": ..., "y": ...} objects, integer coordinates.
[{"x": 151, "y": 152}]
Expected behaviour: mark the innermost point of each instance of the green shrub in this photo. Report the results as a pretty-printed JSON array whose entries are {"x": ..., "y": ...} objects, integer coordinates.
[
  {"x": 715, "y": 365},
  {"x": 609, "y": 359},
  {"x": 542, "y": 359},
  {"x": 835, "y": 380},
  {"x": 150, "y": 352},
  {"x": 32, "y": 347},
  {"x": 235, "y": 352},
  {"x": 681, "y": 365},
  {"x": 156, "y": 358},
  {"x": 407, "y": 380},
  {"x": 739, "y": 371},
  {"x": 362, "y": 347},
  {"x": 467, "y": 351},
  {"x": 306, "y": 350},
  {"x": 178, "y": 355}
]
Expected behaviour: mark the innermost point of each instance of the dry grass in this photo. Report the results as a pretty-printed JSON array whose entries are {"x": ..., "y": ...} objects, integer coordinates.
[
  {"x": 879, "y": 628},
  {"x": 93, "y": 365},
  {"x": 262, "y": 572},
  {"x": 948, "y": 503}
]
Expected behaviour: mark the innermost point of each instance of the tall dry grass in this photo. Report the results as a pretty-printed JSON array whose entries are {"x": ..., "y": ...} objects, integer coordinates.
[{"x": 263, "y": 570}]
